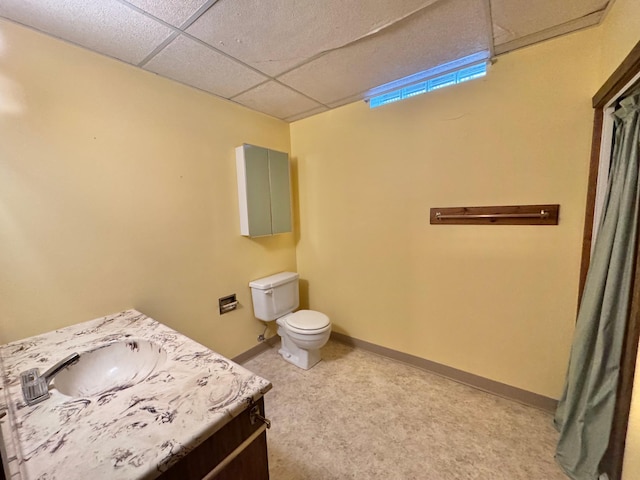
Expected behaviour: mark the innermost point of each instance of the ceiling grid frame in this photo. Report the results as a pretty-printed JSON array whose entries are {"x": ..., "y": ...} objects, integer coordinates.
[{"x": 108, "y": 30}]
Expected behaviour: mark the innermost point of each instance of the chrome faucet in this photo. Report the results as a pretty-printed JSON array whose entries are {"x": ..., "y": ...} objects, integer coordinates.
[{"x": 35, "y": 387}]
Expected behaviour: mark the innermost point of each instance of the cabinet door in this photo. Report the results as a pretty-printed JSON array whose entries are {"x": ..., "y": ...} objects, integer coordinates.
[
  {"x": 280, "y": 192},
  {"x": 258, "y": 190}
]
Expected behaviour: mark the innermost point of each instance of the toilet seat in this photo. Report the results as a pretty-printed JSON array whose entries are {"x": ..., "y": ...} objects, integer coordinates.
[{"x": 307, "y": 322}]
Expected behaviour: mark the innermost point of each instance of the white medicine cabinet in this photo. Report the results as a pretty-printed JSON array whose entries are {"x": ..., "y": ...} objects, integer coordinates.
[{"x": 264, "y": 191}]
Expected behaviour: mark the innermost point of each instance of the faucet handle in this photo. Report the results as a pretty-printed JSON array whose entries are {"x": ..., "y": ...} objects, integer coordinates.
[{"x": 34, "y": 388}]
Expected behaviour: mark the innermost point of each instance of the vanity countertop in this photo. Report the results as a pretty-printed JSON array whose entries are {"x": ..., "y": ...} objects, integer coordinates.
[{"x": 132, "y": 433}]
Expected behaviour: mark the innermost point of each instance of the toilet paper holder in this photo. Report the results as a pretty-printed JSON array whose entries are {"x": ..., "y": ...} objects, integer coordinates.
[{"x": 228, "y": 303}]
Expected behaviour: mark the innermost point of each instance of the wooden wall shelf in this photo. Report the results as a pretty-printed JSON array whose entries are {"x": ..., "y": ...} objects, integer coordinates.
[{"x": 499, "y": 215}]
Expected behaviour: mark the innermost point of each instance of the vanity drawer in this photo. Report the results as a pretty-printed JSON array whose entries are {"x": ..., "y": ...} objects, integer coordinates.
[{"x": 250, "y": 464}]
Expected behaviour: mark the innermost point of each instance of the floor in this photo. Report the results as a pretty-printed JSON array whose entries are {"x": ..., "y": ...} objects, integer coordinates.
[{"x": 357, "y": 415}]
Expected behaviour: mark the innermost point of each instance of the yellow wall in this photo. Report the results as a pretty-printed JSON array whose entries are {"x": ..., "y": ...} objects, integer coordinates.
[
  {"x": 496, "y": 301},
  {"x": 620, "y": 33},
  {"x": 118, "y": 190}
]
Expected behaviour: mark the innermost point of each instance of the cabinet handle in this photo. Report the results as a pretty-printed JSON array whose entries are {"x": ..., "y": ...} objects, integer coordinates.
[
  {"x": 255, "y": 415},
  {"x": 232, "y": 456}
]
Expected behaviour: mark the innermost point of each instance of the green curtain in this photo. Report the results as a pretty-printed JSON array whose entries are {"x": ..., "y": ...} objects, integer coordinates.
[{"x": 585, "y": 411}]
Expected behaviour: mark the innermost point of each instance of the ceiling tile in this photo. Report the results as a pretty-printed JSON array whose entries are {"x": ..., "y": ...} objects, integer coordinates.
[
  {"x": 174, "y": 13},
  {"x": 192, "y": 63},
  {"x": 517, "y": 18},
  {"x": 107, "y": 26},
  {"x": 276, "y": 100},
  {"x": 277, "y": 35},
  {"x": 444, "y": 32}
]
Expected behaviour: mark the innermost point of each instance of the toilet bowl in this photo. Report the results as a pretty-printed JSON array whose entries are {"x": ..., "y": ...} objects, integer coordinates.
[{"x": 304, "y": 332}]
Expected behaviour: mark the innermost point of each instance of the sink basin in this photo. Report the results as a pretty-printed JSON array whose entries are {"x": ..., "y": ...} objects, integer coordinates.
[{"x": 111, "y": 367}]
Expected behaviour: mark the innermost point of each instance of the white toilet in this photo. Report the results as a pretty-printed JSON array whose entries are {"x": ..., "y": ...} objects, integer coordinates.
[{"x": 303, "y": 332}]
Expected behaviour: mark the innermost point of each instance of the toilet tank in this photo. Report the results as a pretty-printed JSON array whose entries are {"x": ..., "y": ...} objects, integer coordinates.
[{"x": 275, "y": 296}]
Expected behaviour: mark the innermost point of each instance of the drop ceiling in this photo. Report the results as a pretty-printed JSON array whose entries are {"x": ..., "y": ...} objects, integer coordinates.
[{"x": 294, "y": 58}]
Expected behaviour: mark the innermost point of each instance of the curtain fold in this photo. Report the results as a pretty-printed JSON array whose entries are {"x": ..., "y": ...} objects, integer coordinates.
[{"x": 585, "y": 411}]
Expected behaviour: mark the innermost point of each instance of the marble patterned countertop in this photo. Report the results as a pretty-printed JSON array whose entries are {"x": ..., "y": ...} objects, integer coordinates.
[{"x": 132, "y": 433}]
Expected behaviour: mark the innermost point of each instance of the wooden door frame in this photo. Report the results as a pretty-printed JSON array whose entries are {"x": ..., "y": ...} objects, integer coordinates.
[{"x": 613, "y": 460}]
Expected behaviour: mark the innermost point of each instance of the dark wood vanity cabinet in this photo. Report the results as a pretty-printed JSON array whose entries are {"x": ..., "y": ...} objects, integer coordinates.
[{"x": 251, "y": 464}]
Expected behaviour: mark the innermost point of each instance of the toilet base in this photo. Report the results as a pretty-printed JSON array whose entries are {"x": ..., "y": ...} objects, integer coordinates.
[{"x": 297, "y": 356}]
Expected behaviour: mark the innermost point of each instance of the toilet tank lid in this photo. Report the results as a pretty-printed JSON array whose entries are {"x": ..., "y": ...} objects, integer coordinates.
[{"x": 273, "y": 280}]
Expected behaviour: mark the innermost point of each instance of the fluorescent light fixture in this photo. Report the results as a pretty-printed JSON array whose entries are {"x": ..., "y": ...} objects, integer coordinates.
[{"x": 451, "y": 73}]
